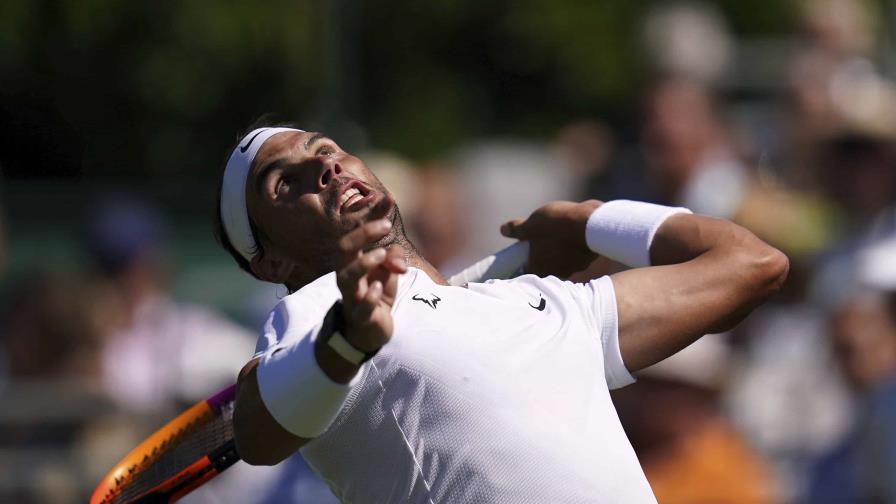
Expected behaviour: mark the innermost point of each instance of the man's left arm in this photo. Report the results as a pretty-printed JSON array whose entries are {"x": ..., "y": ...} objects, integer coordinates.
[{"x": 706, "y": 275}]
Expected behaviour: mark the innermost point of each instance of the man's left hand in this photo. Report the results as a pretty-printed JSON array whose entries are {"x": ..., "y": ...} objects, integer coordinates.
[{"x": 556, "y": 236}]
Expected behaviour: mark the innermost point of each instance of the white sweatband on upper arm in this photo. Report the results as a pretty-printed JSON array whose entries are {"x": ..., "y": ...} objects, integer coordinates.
[
  {"x": 623, "y": 230},
  {"x": 296, "y": 391}
]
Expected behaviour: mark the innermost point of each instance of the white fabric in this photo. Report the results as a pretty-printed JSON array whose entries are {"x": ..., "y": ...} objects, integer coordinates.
[
  {"x": 234, "y": 214},
  {"x": 296, "y": 391},
  {"x": 161, "y": 358},
  {"x": 623, "y": 230},
  {"x": 480, "y": 397}
]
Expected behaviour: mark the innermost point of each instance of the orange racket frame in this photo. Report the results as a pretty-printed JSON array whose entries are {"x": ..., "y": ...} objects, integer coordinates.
[{"x": 195, "y": 472}]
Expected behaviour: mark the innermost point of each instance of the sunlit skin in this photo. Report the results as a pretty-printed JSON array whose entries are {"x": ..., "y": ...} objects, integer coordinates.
[
  {"x": 714, "y": 272},
  {"x": 293, "y": 194}
]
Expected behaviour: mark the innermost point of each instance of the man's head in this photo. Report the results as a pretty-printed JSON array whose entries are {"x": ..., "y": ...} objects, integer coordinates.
[
  {"x": 863, "y": 333},
  {"x": 681, "y": 127},
  {"x": 302, "y": 193}
]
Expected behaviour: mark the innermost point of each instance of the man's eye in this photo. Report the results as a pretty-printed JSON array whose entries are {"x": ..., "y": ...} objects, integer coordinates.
[{"x": 325, "y": 151}]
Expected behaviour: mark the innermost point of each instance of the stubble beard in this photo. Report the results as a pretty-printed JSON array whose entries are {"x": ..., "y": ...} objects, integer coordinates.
[{"x": 330, "y": 258}]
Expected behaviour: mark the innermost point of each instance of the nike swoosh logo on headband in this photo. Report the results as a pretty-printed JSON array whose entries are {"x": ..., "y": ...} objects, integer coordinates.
[
  {"x": 541, "y": 305},
  {"x": 245, "y": 147}
]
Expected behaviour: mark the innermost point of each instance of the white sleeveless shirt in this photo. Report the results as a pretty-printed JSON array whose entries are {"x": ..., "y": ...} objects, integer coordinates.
[{"x": 493, "y": 393}]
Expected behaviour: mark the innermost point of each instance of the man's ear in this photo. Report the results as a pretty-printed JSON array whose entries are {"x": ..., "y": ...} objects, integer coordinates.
[{"x": 271, "y": 268}]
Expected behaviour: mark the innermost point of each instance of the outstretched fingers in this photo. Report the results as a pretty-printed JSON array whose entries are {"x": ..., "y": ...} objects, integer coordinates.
[
  {"x": 349, "y": 279},
  {"x": 364, "y": 307}
]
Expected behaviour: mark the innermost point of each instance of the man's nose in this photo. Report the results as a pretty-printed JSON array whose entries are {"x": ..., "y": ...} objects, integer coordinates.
[{"x": 330, "y": 168}]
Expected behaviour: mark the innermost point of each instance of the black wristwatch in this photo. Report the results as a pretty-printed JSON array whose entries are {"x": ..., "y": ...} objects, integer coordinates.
[{"x": 335, "y": 323}]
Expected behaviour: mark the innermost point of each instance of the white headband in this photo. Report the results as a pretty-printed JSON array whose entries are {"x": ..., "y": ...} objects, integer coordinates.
[{"x": 234, "y": 213}]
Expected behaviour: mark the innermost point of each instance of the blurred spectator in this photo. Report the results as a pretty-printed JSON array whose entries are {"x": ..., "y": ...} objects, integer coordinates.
[
  {"x": 782, "y": 394},
  {"x": 861, "y": 467},
  {"x": 500, "y": 180},
  {"x": 858, "y": 152},
  {"x": 839, "y": 148},
  {"x": 841, "y": 28},
  {"x": 690, "y": 158},
  {"x": 503, "y": 180},
  {"x": 158, "y": 356},
  {"x": 161, "y": 354},
  {"x": 689, "y": 451},
  {"x": 58, "y": 311},
  {"x": 826, "y": 73},
  {"x": 856, "y": 159},
  {"x": 687, "y": 39},
  {"x": 52, "y": 327},
  {"x": 586, "y": 147}
]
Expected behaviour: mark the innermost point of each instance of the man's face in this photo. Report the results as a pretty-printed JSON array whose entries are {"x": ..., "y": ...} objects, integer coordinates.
[
  {"x": 679, "y": 130},
  {"x": 864, "y": 340},
  {"x": 303, "y": 193}
]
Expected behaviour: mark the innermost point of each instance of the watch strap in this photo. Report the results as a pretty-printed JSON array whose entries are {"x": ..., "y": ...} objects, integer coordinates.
[
  {"x": 336, "y": 340},
  {"x": 345, "y": 349}
]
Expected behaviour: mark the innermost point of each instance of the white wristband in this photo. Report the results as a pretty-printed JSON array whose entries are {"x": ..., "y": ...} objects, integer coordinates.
[
  {"x": 623, "y": 230},
  {"x": 296, "y": 391}
]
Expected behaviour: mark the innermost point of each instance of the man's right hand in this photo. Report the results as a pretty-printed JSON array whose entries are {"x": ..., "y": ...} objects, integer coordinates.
[{"x": 369, "y": 282}]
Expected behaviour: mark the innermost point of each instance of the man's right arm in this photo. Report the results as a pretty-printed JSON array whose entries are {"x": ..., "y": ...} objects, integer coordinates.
[
  {"x": 260, "y": 440},
  {"x": 368, "y": 282}
]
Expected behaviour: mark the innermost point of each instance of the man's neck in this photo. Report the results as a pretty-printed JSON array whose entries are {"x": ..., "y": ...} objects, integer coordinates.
[{"x": 415, "y": 260}]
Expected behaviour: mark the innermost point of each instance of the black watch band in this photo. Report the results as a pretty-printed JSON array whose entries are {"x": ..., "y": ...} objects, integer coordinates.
[{"x": 335, "y": 323}]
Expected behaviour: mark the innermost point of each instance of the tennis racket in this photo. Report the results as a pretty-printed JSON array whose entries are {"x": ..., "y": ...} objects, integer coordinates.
[{"x": 198, "y": 444}]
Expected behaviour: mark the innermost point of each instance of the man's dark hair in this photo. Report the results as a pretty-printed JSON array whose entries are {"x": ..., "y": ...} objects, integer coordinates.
[{"x": 265, "y": 121}]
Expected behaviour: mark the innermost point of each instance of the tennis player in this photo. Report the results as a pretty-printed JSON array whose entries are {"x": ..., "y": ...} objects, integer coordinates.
[{"x": 396, "y": 387}]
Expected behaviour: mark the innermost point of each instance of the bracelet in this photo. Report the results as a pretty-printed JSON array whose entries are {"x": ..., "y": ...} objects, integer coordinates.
[{"x": 623, "y": 230}]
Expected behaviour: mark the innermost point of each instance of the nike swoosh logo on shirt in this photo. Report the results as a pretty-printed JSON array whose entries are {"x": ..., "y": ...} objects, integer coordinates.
[
  {"x": 540, "y": 306},
  {"x": 246, "y": 147}
]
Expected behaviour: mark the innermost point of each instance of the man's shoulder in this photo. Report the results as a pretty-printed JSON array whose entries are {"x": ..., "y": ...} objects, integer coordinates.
[
  {"x": 298, "y": 312},
  {"x": 527, "y": 286},
  {"x": 312, "y": 300},
  {"x": 525, "y": 283},
  {"x": 322, "y": 288}
]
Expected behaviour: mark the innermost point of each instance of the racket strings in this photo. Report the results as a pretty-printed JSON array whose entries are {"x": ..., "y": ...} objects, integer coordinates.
[{"x": 176, "y": 453}]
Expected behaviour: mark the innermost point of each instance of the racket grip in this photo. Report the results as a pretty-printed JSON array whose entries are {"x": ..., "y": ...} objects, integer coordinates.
[{"x": 505, "y": 263}]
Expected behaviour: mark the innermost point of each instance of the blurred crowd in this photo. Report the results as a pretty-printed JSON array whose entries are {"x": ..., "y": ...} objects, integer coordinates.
[{"x": 797, "y": 404}]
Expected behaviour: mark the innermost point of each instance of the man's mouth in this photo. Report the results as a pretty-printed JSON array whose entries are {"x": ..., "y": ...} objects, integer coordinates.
[{"x": 354, "y": 195}]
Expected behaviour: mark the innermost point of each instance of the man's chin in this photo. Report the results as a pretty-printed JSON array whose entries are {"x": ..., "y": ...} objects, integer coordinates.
[{"x": 396, "y": 234}]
